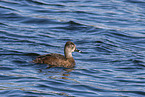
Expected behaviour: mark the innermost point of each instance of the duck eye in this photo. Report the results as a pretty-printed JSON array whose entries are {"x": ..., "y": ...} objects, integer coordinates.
[{"x": 72, "y": 46}]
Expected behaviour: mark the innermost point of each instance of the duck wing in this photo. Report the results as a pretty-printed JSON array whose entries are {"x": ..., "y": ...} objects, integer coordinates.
[{"x": 48, "y": 57}]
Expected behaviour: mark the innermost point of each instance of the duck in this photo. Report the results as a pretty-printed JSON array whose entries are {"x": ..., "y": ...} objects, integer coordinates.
[{"x": 58, "y": 60}]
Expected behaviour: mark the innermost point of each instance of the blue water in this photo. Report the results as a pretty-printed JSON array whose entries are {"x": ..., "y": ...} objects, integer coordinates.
[{"x": 111, "y": 34}]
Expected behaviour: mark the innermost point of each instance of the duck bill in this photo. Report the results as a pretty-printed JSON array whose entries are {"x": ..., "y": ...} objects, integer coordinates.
[{"x": 76, "y": 50}]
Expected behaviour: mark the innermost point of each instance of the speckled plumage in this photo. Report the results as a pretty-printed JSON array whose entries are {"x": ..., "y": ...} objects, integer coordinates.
[{"x": 58, "y": 60}]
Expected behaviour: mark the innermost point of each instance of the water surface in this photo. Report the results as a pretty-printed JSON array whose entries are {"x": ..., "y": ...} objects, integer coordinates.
[{"x": 111, "y": 34}]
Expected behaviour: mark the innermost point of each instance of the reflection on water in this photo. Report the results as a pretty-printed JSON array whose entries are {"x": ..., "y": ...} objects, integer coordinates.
[{"x": 64, "y": 73}]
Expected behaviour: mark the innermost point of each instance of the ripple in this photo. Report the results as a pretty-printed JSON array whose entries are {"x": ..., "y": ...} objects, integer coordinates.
[
  {"x": 36, "y": 2},
  {"x": 5, "y": 7},
  {"x": 5, "y": 68},
  {"x": 37, "y": 21}
]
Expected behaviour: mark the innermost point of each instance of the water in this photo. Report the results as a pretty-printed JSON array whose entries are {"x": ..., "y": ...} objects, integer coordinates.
[{"x": 111, "y": 34}]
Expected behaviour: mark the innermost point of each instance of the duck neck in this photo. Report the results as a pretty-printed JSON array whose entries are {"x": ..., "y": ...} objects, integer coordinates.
[{"x": 67, "y": 54}]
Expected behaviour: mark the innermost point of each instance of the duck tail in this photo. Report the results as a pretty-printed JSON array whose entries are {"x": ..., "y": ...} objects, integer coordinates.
[{"x": 38, "y": 60}]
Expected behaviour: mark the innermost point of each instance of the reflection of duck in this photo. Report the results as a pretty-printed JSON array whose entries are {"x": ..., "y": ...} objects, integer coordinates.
[{"x": 58, "y": 60}]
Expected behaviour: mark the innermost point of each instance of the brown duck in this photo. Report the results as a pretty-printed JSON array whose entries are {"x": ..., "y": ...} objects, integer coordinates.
[{"x": 58, "y": 60}]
